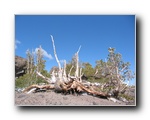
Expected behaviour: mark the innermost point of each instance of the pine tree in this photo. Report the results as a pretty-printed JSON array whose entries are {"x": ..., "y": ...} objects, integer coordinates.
[
  {"x": 40, "y": 63},
  {"x": 30, "y": 62}
]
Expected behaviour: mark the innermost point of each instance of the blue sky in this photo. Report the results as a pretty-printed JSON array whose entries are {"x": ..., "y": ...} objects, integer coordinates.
[{"x": 95, "y": 33}]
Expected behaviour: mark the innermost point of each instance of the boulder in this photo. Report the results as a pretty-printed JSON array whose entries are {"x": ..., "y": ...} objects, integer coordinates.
[{"x": 20, "y": 66}]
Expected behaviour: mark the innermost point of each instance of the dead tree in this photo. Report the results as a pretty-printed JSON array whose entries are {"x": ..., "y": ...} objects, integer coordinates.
[{"x": 60, "y": 82}]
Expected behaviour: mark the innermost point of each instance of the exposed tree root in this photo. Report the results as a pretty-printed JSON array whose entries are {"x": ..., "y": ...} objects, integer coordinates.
[{"x": 74, "y": 86}]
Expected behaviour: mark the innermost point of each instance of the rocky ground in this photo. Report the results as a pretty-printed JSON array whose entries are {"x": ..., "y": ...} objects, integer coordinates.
[{"x": 58, "y": 99}]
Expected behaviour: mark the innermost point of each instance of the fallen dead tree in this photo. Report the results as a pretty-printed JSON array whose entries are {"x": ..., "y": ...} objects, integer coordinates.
[
  {"x": 74, "y": 87},
  {"x": 67, "y": 84}
]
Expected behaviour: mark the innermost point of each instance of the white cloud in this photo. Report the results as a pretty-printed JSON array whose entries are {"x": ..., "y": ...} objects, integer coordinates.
[
  {"x": 17, "y": 42},
  {"x": 45, "y": 54}
]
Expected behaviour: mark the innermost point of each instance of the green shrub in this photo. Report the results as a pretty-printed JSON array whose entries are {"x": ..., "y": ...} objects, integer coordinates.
[
  {"x": 100, "y": 80},
  {"x": 126, "y": 97},
  {"x": 27, "y": 80}
]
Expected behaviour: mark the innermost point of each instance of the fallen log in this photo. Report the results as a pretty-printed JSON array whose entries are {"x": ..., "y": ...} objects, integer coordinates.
[
  {"x": 59, "y": 86},
  {"x": 34, "y": 87}
]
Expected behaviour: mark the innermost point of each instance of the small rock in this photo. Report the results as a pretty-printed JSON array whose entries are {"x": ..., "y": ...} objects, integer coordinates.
[
  {"x": 84, "y": 93},
  {"x": 21, "y": 96},
  {"x": 65, "y": 98},
  {"x": 95, "y": 103},
  {"x": 41, "y": 96},
  {"x": 123, "y": 99},
  {"x": 114, "y": 100}
]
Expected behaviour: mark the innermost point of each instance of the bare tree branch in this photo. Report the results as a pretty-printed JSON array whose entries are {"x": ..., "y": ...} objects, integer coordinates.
[
  {"x": 96, "y": 72},
  {"x": 45, "y": 78},
  {"x": 81, "y": 74},
  {"x": 59, "y": 65},
  {"x": 77, "y": 63},
  {"x": 123, "y": 69},
  {"x": 64, "y": 70},
  {"x": 70, "y": 70},
  {"x": 79, "y": 49}
]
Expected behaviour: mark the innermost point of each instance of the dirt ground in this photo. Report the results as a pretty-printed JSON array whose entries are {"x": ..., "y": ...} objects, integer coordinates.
[{"x": 58, "y": 99}]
